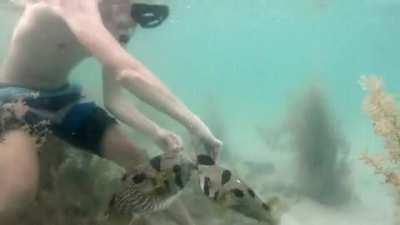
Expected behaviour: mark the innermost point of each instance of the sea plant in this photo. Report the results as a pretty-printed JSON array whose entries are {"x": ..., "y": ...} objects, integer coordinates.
[{"x": 385, "y": 116}]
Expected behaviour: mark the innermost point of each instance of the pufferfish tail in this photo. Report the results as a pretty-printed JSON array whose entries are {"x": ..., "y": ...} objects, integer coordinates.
[{"x": 277, "y": 209}]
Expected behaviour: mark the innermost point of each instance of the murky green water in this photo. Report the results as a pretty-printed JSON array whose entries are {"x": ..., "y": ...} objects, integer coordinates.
[{"x": 250, "y": 60}]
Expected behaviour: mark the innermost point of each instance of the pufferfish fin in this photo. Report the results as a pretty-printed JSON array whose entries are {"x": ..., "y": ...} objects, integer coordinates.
[
  {"x": 272, "y": 204},
  {"x": 276, "y": 208},
  {"x": 277, "y": 203}
]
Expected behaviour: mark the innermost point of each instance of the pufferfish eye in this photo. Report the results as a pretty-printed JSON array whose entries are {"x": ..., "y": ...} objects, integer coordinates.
[
  {"x": 266, "y": 207},
  {"x": 137, "y": 179},
  {"x": 238, "y": 193}
]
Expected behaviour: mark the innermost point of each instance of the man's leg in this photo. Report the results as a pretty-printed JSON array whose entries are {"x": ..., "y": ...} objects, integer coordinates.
[
  {"x": 117, "y": 147},
  {"x": 19, "y": 174}
]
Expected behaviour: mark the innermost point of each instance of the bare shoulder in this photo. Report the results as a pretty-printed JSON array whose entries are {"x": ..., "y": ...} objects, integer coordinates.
[
  {"x": 39, "y": 18},
  {"x": 40, "y": 10},
  {"x": 36, "y": 20},
  {"x": 42, "y": 30}
]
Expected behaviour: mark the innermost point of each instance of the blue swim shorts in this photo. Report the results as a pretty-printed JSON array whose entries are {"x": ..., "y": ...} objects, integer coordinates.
[{"x": 72, "y": 118}]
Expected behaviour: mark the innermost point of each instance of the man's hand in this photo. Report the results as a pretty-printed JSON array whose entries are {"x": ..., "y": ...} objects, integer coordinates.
[
  {"x": 211, "y": 145},
  {"x": 169, "y": 142}
]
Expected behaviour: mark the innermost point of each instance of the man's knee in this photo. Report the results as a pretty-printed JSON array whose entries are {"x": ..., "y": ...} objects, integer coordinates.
[
  {"x": 16, "y": 195},
  {"x": 116, "y": 146},
  {"x": 13, "y": 204},
  {"x": 18, "y": 200},
  {"x": 19, "y": 172}
]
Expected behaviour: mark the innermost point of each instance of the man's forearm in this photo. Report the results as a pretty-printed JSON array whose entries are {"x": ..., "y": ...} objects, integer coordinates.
[
  {"x": 132, "y": 117},
  {"x": 150, "y": 90},
  {"x": 131, "y": 73},
  {"x": 126, "y": 111},
  {"x": 140, "y": 81}
]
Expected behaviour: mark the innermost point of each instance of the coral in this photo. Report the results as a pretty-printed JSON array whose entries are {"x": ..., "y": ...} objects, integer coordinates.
[
  {"x": 385, "y": 116},
  {"x": 381, "y": 108}
]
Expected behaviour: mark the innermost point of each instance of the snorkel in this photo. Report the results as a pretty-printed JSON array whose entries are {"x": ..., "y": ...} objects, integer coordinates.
[{"x": 149, "y": 15}]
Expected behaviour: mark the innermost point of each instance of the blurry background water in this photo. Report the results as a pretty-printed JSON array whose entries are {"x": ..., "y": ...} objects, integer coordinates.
[{"x": 248, "y": 60}]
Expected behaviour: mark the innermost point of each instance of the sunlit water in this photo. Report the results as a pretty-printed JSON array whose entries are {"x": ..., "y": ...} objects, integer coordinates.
[{"x": 249, "y": 59}]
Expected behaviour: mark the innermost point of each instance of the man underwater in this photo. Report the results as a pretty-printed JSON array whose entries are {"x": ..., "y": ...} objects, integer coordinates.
[{"x": 50, "y": 39}]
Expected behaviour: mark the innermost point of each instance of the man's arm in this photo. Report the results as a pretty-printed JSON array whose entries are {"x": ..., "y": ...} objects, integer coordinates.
[
  {"x": 84, "y": 20},
  {"x": 131, "y": 116}
]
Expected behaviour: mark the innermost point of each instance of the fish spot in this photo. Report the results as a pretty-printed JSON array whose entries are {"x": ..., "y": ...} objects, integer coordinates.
[
  {"x": 205, "y": 160},
  {"x": 178, "y": 181},
  {"x": 124, "y": 177},
  {"x": 177, "y": 169},
  {"x": 112, "y": 201},
  {"x": 137, "y": 179},
  {"x": 251, "y": 193},
  {"x": 178, "y": 175},
  {"x": 61, "y": 46},
  {"x": 206, "y": 187},
  {"x": 166, "y": 184},
  {"x": 238, "y": 193},
  {"x": 156, "y": 163},
  {"x": 266, "y": 207},
  {"x": 226, "y": 176},
  {"x": 216, "y": 195}
]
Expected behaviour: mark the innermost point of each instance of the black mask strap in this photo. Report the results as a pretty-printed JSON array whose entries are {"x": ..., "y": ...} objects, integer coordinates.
[{"x": 149, "y": 16}]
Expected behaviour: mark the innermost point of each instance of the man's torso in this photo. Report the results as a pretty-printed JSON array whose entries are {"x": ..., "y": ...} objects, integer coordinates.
[{"x": 43, "y": 51}]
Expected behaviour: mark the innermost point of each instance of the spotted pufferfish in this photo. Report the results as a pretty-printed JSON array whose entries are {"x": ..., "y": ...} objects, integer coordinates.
[
  {"x": 154, "y": 187},
  {"x": 151, "y": 187}
]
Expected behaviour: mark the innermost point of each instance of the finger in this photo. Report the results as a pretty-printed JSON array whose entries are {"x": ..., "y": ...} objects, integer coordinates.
[
  {"x": 178, "y": 148},
  {"x": 209, "y": 148},
  {"x": 215, "y": 155},
  {"x": 179, "y": 143}
]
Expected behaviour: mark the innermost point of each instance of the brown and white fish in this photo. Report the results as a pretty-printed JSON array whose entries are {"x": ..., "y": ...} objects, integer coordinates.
[
  {"x": 151, "y": 187},
  {"x": 229, "y": 191},
  {"x": 154, "y": 187}
]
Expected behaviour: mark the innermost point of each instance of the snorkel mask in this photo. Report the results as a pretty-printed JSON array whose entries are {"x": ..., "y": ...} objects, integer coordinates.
[{"x": 149, "y": 16}]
